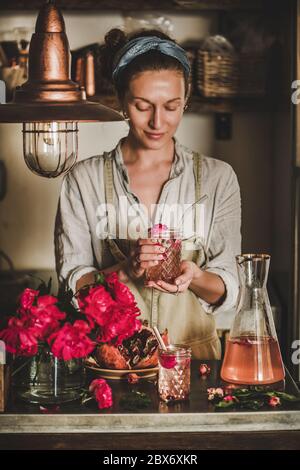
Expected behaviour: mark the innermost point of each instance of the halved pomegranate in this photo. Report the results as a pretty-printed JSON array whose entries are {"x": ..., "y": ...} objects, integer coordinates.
[{"x": 138, "y": 352}]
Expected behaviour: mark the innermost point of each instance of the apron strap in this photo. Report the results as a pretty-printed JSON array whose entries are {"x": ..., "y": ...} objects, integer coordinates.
[
  {"x": 197, "y": 160},
  {"x": 108, "y": 184},
  {"x": 108, "y": 181}
]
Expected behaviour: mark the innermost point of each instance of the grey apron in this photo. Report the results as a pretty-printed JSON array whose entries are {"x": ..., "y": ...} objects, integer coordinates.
[{"x": 182, "y": 315}]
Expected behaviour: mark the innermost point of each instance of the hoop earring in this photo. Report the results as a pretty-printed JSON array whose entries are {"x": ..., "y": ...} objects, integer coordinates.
[{"x": 185, "y": 107}]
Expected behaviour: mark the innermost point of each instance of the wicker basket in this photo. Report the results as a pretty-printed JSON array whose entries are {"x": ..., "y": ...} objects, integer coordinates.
[{"x": 228, "y": 76}]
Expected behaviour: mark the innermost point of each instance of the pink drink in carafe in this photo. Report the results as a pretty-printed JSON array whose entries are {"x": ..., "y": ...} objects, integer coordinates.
[
  {"x": 252, "y": 354},
  {"x": 252, "y": 361}
]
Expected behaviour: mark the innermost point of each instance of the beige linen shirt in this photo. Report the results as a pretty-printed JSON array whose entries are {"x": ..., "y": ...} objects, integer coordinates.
[{"x": 79, "y": 244}]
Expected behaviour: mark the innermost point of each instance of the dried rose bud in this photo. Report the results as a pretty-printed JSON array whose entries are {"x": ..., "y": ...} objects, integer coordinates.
[
  {"x": 132, "y": 378},
  {"x": 229, "y": 398},
  {"x": 204, "y": 369},
  {"x": 219, "y": 392},
  {"x": 274, "y": 401},
  {"x": 229, "y": 388},
  {"x": 211, "y": 396}
]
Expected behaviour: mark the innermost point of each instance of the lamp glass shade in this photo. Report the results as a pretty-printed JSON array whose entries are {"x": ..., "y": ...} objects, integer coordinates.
[{"x": 50, "y": 148}]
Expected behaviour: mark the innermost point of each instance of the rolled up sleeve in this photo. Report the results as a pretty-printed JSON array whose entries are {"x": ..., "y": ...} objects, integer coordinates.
[
  {"x": 225, "y": 240},
  {"x": 72, "y": 238}
]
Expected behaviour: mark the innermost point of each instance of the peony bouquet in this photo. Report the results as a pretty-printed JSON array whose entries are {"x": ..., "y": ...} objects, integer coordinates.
[
  {"x": 48, "y": 336},
  {"x": 106, "y": 321},
  {"x": 123, "y": 340},
  {"x": 43, "y": 320}
]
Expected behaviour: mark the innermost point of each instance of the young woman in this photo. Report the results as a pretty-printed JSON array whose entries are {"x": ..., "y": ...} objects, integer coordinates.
[{"x": 148, "y": 172}]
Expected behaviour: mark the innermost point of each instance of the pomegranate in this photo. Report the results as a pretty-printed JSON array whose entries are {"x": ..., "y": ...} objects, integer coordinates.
[{"x": 138, "y": 352}]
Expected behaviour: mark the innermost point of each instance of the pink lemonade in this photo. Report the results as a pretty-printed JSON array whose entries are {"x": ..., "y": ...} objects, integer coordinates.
[
  {"x": 252, "y": 361},
  {"x": 169, "y": 268},
  {"x": 174, "y": 373}
]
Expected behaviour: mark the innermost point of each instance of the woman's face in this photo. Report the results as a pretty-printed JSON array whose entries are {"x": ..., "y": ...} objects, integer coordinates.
[{"x": 154, "y": 104}]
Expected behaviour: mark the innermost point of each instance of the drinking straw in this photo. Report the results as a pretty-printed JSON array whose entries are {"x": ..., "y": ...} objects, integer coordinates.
[
  {"x": 159, "y": 338},
  {"x": 202, "y": 199}
]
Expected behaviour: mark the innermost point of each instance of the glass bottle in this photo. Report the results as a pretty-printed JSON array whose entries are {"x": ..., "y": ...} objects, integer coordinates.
[{"x": 252, "y": 354}]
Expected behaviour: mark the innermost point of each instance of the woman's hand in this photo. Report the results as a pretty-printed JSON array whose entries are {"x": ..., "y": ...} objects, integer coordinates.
[
  {"x": 144, "y": 255},
  {"x": 181, "y": 283}
]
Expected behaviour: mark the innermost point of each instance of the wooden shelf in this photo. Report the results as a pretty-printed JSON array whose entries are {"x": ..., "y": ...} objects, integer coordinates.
[
  {"x": 198, "y": 104},
  {"x": 127, "y": 5}
]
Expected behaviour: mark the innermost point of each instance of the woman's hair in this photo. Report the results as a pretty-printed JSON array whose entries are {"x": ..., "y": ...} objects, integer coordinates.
[{"x": 115, "y": 39}]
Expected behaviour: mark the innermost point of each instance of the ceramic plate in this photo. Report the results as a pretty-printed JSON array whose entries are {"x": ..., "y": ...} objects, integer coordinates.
[{"x": 119, "y": 373}]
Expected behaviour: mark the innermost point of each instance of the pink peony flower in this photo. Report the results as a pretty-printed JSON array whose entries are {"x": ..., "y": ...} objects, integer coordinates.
[
  {"x": 96, "y": 305},
  {"x": 102, "y": 393},
  {"x": 45, "y": 317},
  {"x": 27, "y": 298},
  {"x": 121, "y": 293},
  {"x": 45, "y": 301},
  {"x": 274, "y": 401},
  {"x": 71, "y": 341},
  {"x": 123, "y": 324},
  {"x": 18, "y": 338}
]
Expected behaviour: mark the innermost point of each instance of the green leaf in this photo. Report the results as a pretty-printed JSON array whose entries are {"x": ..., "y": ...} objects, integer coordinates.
[
  {"x": 99, "y": 278},
  {"x": 271, "y": 394},
  {"x": 225, "y": 404},
  {"x": 49, "y": 285},
  {"x": 43, "y": 288},
  {"x": 134, "y": 401},
  {"x": 287, "y": 397},
  {"x": 86, "y": 396},
  {"x": 252, "y": 404},
  {"x": 242, "y": 393},
  {"x": 253, "y": 399}
]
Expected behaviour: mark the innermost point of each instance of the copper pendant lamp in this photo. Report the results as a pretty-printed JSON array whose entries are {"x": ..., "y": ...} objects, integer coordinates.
[{"x": 50, "y": 104}]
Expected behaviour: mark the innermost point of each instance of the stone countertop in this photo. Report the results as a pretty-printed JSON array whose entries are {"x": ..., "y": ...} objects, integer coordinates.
[{"x": 196, "y": 415}]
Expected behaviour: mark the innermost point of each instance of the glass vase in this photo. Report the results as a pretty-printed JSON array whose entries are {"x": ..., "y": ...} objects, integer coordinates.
[{"x": 45, "y": 379}]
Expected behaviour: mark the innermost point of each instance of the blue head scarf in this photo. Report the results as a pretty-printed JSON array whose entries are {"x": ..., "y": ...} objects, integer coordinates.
[{"x": 141, "y": 45}]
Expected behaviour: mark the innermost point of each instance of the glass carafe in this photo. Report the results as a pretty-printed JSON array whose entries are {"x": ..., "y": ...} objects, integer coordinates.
[{"x": 252, "y": 354}]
